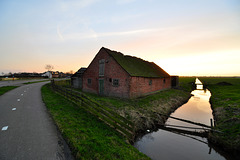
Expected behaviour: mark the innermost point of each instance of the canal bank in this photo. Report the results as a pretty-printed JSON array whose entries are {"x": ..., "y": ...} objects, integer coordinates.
[
  {"x": 176, "y": 144},
  {"x": 225, "y": 104}
]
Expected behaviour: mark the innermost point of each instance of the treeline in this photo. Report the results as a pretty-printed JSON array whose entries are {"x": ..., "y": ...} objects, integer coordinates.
[{"x": 22, "y": 75}]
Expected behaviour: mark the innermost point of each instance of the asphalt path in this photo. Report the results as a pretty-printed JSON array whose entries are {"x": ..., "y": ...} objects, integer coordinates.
[
  {"x": 18, "y": 82},
  {"x": 27, "y": 132}
]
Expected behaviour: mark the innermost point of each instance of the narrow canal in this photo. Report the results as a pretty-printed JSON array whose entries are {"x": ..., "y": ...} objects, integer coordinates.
[{"x": 168, "y": 145}]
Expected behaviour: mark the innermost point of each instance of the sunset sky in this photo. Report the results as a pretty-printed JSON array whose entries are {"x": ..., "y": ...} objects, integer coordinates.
[{"x": 184, "y": 37}]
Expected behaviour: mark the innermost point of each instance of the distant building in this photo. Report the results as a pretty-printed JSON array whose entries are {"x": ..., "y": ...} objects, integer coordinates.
[
  {"x": 47, "y": 74},
  {"x": 55, "y": 74},
  {"x": 113, "y": 74},
  {"x": 77, "y": 78}
]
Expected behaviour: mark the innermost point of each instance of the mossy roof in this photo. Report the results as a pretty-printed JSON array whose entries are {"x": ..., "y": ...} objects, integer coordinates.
[{"x": 137, "y": 67}]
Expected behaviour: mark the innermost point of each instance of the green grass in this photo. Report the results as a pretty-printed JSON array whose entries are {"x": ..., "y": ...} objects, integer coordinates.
[
  {"x": 6, "y": 89},
  {"x": 88, "y": 137},
  {"x": 35, "y": 82},
  {"x": 225, "y": 101},
  {"x": 187, "y": 83}
]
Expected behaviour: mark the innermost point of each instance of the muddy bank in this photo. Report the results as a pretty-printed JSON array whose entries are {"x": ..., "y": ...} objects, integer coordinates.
[{"x": 150, "y": 117}]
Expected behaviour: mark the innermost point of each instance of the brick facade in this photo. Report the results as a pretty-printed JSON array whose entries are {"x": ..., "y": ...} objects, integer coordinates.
[
  {"x": 112, "y": 70},
  {"x": 127, "y": 86},
  {"x": 143, "y": 86}
]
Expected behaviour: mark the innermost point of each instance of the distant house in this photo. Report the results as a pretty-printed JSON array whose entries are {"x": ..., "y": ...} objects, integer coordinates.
[
  {"x": 113, "y": 74},
  {"x": 77, "y": 78},
  {"x": 47, "y": 74},
  {"x": 54, "y": 74}
]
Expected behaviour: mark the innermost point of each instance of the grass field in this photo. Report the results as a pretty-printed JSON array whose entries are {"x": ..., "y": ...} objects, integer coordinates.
[
  {"x": 88, "y": 137},
  {"x": 6, "y": 89},
  {"x": 225, "y": 102}
]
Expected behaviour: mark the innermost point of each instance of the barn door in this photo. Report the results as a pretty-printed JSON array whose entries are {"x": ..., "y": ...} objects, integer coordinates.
[{"x": 101, "y": 86}]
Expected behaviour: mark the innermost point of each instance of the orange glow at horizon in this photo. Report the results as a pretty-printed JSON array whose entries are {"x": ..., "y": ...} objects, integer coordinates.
[{"x": 199, "y": 38}]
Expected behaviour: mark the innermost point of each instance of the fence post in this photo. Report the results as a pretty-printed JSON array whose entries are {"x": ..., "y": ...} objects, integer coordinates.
[
  {"x": 211, "y": 121},
  {"x": 52, "y": 83}
]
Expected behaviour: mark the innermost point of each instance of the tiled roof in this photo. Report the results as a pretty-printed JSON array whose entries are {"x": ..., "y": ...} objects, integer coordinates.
[{"x": 137, "y": 67}]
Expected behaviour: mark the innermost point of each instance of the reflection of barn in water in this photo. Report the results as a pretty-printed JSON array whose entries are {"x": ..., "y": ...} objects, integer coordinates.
[{"x": 77, "y": 78}]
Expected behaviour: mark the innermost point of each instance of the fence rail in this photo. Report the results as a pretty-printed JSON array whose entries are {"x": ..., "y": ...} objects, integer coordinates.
[{"x": 105, "y": 114}]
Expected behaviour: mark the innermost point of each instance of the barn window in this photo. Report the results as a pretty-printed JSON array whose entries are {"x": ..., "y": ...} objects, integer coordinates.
[
  {"x": 101, "y": 67},
  {"x": 115, "y": 82},
  {"x": 164, "y": 80},
  {"x": 150, "y": 82},
  {"x": 89, "y": 81}
]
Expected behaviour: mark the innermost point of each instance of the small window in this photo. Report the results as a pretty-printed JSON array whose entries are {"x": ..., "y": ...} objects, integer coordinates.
[
  {"x": 115, "y": 82},
  {"x": 164, "y": 80},
  {"x": 150, "y": 82},
  {"x": 89, "y": 81},
  {"x": 110, "y": 79}
]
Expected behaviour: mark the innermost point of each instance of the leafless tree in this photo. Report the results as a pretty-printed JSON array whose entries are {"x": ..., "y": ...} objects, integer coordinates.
[{"x": 49, "y": 67}]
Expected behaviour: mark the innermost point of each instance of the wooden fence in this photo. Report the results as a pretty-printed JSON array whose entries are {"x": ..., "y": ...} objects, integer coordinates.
[{"x": 105, "y": 114}]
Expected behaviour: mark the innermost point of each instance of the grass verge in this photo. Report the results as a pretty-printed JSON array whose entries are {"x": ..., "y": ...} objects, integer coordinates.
[
  {"x": 6, "y": 89},
  {"x": 35, "y": 82},
  {"x": 225, "y": 102},
  {"x": 88, "y": 137}
]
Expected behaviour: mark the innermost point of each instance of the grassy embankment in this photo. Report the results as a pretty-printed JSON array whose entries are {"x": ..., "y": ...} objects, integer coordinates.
[
  {"x": 6, "y": 89},
  {"x": 145, "y": 112},
  {"x": 90, "y": 138},
  {"x": 225, "y": 102}
]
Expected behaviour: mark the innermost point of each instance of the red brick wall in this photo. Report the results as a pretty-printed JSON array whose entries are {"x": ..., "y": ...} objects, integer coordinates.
[
  {"x": 139, "y": 86},
  {"x": 112, "y": 71},
  {"x": 129, "y": 87}
]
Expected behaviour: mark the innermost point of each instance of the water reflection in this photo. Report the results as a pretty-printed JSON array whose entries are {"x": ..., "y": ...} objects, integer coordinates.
[
  {"x": 197, "y": 109},
  {"x": 165, "y": 145},
  {"x": 199, "y": 84}
]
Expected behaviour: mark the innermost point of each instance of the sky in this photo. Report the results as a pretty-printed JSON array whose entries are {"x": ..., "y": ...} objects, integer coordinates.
[{"x": 184, "y": 37}]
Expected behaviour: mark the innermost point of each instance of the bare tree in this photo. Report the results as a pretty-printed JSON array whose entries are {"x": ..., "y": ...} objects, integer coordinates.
[{"x": 49, "y": 67}]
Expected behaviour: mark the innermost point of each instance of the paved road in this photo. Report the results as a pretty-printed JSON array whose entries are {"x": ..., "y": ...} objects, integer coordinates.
[
  {"x": 17, "y": 82},
  {"x": 26, "y": 130}
]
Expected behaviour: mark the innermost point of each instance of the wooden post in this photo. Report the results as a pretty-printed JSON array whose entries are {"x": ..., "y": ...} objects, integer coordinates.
[{"x": 211, "y": 123}]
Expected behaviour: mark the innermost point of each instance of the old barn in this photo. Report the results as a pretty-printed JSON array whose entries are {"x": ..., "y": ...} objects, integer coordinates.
[{"x": 113, "y": 74}]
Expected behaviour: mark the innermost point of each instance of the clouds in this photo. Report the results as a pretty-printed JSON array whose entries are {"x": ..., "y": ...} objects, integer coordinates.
[
  {"x": 150, "y": 29},
  {"x": 59, "y": 33},
  {"x": 67, "y": 5}
]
